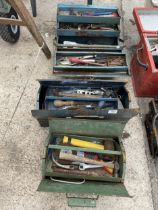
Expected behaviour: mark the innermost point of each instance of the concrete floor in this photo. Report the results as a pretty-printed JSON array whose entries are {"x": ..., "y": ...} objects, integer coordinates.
[{"x": 22, "y": 139}]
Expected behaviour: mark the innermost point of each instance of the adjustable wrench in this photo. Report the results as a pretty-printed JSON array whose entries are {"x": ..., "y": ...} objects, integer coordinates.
[{"x": 84, "y": 166}]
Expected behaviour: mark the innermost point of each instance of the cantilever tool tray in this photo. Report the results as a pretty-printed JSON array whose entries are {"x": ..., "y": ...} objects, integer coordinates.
[
  {"x": 103, "y": 98},
  {"x": 87, "y": 42}
]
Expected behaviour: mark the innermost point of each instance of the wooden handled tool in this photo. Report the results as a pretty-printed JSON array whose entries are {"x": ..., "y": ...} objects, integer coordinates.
[
  {"x": 67, "y": 156},
  {"x": 59, "y": 103}
]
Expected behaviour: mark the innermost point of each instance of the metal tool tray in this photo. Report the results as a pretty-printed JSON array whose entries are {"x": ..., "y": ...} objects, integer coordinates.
[
  {"x": 87, "y": 38},
  {"x": 61, "y": 31},
  {"x": 89, "y": 128},
  {"x": 151, "y": 123},
  {"x": 87, "y": 69},
  {"x": 66, "y": 13},
  {"x": 42, "y": 114},
  {"x": 102, "y": 46}
]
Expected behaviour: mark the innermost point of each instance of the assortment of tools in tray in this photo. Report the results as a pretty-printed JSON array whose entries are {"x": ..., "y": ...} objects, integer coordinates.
[
  {"x": 88, "y": 13},
  {"x": 76, "y": 98},
  {"x": 88, "y": 62},
  {"x": 88, "y": 26},
  {"x": 85, "y": 163},
  {"x": 85, "y": 29},
  {"x": 89, "y": 98},
  {"x": 95, "y": 60}
]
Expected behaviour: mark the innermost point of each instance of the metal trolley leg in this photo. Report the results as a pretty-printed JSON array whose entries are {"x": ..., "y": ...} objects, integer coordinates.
[
  {"x": 34, "y": 9},
  {"x": 90, "y": 2}
]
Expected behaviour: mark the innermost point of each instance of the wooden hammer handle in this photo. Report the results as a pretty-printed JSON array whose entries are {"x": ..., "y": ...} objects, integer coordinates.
[
  {"x": 59, "y": 103},
  {"x": 66, "y": 156}
]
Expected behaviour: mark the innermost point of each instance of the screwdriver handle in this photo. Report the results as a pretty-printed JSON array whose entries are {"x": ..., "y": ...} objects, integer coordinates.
[
  {"x": 59, "y": 103},
  {"x": 82, "y": 143}
]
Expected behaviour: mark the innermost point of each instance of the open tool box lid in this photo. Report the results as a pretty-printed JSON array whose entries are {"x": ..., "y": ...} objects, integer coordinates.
[
  {"x": 87, "y": 127},
  {"x": 146, "y": 20}
]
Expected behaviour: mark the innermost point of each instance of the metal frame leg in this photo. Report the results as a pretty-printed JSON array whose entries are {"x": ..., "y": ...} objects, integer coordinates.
[
  {"x": 34, "y": 9},
  {"x": 90, "y": 2}
]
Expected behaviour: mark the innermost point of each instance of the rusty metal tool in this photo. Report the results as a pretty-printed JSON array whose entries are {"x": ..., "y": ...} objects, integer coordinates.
[
  {"x": 70, "y": 167},
  {"x": 81, "y": 173}
]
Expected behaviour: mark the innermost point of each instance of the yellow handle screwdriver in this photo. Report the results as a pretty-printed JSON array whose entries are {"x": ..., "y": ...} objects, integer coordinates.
[{"x": 82, "y": 143}]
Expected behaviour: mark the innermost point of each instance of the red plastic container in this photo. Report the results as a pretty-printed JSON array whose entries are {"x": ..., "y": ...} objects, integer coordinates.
[{"x": 144, "y": 65}]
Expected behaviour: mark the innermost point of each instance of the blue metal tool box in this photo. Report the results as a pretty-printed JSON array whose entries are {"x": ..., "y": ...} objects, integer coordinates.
[
  {"x": 112, "y": 69},
  {"x": 88, "y": 30},
  {"x": 72, "y": 21},
  {"x": 49, "y": 92}
]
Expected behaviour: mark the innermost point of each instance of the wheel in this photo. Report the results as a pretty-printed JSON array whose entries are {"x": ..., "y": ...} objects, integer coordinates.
[{"x": 10, "y": 33}]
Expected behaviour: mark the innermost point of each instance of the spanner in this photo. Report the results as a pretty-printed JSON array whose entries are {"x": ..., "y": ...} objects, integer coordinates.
[{"x": 84, "y": 166}]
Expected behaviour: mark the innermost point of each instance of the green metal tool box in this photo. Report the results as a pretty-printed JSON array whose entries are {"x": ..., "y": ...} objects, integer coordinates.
[{"x": 67, "y": 181}]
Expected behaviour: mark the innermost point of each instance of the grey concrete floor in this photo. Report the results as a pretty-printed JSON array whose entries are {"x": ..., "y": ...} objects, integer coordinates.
[{"x": 22, "y": 139}]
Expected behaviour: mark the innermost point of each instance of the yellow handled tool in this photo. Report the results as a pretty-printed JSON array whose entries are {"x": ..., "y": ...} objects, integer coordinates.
[{"x": 82, "y": 143}]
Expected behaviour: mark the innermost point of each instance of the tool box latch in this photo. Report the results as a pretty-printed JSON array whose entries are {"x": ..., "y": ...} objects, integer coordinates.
[{"x": 82, "y": 201}]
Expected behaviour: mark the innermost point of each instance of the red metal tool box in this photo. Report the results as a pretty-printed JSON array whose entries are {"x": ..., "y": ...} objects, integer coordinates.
[{"x": 144, "y": 65}]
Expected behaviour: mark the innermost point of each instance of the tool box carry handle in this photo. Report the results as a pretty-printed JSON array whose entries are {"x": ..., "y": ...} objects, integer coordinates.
[
  {"x": 83, "y": 201},
  {"x": 145, "y": 66}
]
